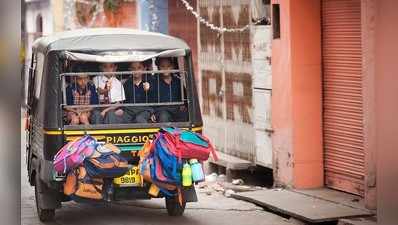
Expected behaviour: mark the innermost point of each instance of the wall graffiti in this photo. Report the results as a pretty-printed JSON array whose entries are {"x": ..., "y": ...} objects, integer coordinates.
[
  {"x": 238, "y": 43},
  {"x": 237, "y": 56},
  {"x": 210, "y": 93},
  {"x": 238, "y": 92},
  {"x": 209, "y": 40}
]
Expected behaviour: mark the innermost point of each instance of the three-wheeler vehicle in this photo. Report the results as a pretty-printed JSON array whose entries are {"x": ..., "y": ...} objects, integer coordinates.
[{"x": 59, "y": 60}]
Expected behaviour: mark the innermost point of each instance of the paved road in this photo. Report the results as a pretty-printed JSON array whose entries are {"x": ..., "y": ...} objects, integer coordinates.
[{"x": 211, "y": 209}]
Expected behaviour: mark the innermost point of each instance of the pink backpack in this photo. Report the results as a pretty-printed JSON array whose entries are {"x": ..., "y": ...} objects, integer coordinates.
[{"x": 72, "y": 154}]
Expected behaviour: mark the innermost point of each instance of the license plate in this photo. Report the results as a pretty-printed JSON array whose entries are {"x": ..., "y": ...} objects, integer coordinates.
[{"x": 131, "y": 178}]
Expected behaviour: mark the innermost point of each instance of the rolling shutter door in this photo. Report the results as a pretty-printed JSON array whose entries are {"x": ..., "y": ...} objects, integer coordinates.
[{"x": 342, "y": 87}]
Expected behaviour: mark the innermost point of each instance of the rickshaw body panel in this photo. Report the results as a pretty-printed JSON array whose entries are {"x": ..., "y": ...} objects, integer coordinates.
[{"x": 47, "y": 133}]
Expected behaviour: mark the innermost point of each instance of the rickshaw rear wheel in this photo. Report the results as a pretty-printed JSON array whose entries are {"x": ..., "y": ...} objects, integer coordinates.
[
  {"x": 45, "y": 215},
  {"x": 173, "y": 206}
]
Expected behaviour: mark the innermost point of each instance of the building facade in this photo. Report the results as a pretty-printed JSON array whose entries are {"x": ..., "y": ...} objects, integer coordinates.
[
  {"x": 97, "y": 13},
  {"x": 182, "y": 24},
  {"x": 233, "y": 74},
  {"x": 38, "y": 21},
  {"x": 325, "y": 90},
  {"x": 328, "y": 103}
]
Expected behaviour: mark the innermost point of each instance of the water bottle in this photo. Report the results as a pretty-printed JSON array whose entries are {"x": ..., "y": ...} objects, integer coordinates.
[
  {"x": 186, "y": 175},
  {"x": 197, "y": 171}
]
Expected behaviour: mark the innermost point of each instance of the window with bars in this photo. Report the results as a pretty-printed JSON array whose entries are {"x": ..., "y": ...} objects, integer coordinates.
[{"x": 152, "y": 91}]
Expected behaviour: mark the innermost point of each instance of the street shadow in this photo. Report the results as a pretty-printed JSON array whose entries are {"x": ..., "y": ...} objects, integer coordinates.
[{"x": 144, "y": 213}]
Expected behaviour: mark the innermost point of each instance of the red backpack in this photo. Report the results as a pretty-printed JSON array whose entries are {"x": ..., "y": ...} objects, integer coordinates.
[{"x": 187, "y": 144}]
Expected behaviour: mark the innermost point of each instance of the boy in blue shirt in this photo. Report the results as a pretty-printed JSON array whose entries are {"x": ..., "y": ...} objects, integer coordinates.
[
  {"x": 168, "y": 89},
  {"x": 137, "y": 91}
]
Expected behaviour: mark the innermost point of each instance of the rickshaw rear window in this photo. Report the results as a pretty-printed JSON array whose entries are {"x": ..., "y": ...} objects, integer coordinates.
[{"x": 152, "y": 90}]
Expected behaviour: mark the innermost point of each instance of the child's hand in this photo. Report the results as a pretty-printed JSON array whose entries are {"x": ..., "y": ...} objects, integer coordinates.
[
  {"x": 119, "y": 112},
  {"x": 103, "y": 113},
  {"x": 146, "y": 86}
]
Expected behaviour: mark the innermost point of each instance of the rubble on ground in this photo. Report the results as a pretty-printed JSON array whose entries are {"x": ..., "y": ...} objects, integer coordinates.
[
  {"x": 215, "y": 183},
  {"x": 237, "y": 181},
  {"x": 228, "y": 193}
]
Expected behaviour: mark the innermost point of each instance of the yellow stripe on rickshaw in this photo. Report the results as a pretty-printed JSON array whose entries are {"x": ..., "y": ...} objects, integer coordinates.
[{"x": 118, "y": 131}]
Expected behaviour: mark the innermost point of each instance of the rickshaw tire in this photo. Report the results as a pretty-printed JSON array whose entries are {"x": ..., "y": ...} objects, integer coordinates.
[
  {"x": 45, "y": 215},
  {"x": 173, "y": 206}
]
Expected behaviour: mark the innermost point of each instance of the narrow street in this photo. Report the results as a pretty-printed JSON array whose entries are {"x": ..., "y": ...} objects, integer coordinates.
[
  {"x": 285, "y": 109},
  {"x": 211, "y": 209}
]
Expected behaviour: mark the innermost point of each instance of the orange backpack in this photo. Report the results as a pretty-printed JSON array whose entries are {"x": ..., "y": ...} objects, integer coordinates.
[{"x": 79, "y": 184}]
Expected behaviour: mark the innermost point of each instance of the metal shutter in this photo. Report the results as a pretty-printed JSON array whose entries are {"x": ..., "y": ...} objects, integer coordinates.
[{"x": 342, "y": 92}]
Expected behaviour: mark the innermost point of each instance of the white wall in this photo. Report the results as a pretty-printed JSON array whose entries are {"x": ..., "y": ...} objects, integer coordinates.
[{"x": 33, "y": 9}]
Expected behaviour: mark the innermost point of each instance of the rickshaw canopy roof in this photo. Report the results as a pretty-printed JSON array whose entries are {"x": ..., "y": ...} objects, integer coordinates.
[{"x": 107, "y": 39}]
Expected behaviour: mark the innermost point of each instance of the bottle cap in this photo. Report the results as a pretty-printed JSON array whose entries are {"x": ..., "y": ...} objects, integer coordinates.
[{"x": 192, "y": 161}]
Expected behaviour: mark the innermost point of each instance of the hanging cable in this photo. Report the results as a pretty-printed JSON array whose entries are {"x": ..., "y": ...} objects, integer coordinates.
[{"x": 214, "y": 27}]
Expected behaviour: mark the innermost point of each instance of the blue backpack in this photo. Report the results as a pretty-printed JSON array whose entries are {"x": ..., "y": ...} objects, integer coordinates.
[
  {"x": 107, "y": 165},
  {"x": 164, "y": 167}
]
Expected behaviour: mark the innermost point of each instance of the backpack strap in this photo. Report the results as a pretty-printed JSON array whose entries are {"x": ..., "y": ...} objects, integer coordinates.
[
  {"x": 179, "y": 193},
  {"x": 178, "y": 148},
  {"x": 212, "y": 150},
  {"x": 164, "y": 190},
  {"x": 76, "y": 172},
  {"x": 176, "y": 133}
]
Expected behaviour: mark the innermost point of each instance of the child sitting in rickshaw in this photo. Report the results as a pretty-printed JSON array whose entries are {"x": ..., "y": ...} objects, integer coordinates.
[
  {"x": 137, "y": 90},
  {"x": 110, "y": 91},
  {"x": 80, "y": 92},
  {"x": 169, "y": 87}
]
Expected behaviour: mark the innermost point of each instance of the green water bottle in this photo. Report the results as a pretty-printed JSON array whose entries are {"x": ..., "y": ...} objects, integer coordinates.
[{"x": 186, "y": 175}]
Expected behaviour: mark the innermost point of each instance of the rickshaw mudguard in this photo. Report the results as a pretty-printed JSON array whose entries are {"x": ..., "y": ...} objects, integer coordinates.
[
  {"x": 46, "y": 171},
  {"x": 50, "y": 197},
  {"x": 32, "y": 171},
  {"x": 190, "y": 194}
]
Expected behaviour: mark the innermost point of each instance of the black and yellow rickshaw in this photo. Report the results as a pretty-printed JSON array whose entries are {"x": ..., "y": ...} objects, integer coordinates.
[{"x": 57, "y": 61}]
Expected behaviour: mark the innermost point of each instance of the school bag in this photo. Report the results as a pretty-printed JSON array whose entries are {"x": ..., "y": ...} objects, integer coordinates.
[
  {"x": 160, "y": 167},
  {"x": 107, "y": 165},
  {"x": 145, "y": 163},
  {"x": 145, "y": 171},
  {"x": 104, "y": 148},
  {"x": 167, "y": 168},
  {"x": 162, "y": 159},
  {"x": 186, "y": 144},
  {"x": 80, "y": 186},
  {"x": 72, "y": 154}
]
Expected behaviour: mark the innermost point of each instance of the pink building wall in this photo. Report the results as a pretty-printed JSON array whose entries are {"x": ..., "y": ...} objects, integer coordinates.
[{"x": 297, "y": 96}]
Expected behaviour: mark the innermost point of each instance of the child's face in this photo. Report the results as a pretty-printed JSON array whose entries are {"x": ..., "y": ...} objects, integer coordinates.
[
  {"x": 165, "y": 64},
  {"x": 108, "y": 67},
  {"x": 137, "y": 66},
  {"x": 82, "y": 81}
]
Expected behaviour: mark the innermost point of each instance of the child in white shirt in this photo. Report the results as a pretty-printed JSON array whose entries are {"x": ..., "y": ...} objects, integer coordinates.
[{"x": 110, "y": 91}]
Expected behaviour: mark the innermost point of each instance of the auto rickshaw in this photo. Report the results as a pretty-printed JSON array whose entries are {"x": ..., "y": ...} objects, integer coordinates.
[{"x": 57, "y": 61}]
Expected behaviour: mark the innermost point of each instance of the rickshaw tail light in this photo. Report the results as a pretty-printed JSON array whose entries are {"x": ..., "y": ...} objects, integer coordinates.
[{"x": 27, "y": 123}]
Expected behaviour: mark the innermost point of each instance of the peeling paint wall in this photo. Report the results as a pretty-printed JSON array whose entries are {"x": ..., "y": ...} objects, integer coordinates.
[
  {"x": 228, "y": 84},
  {"x": 183, "y": 24},
  {"x": 81, "y": 15}
]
